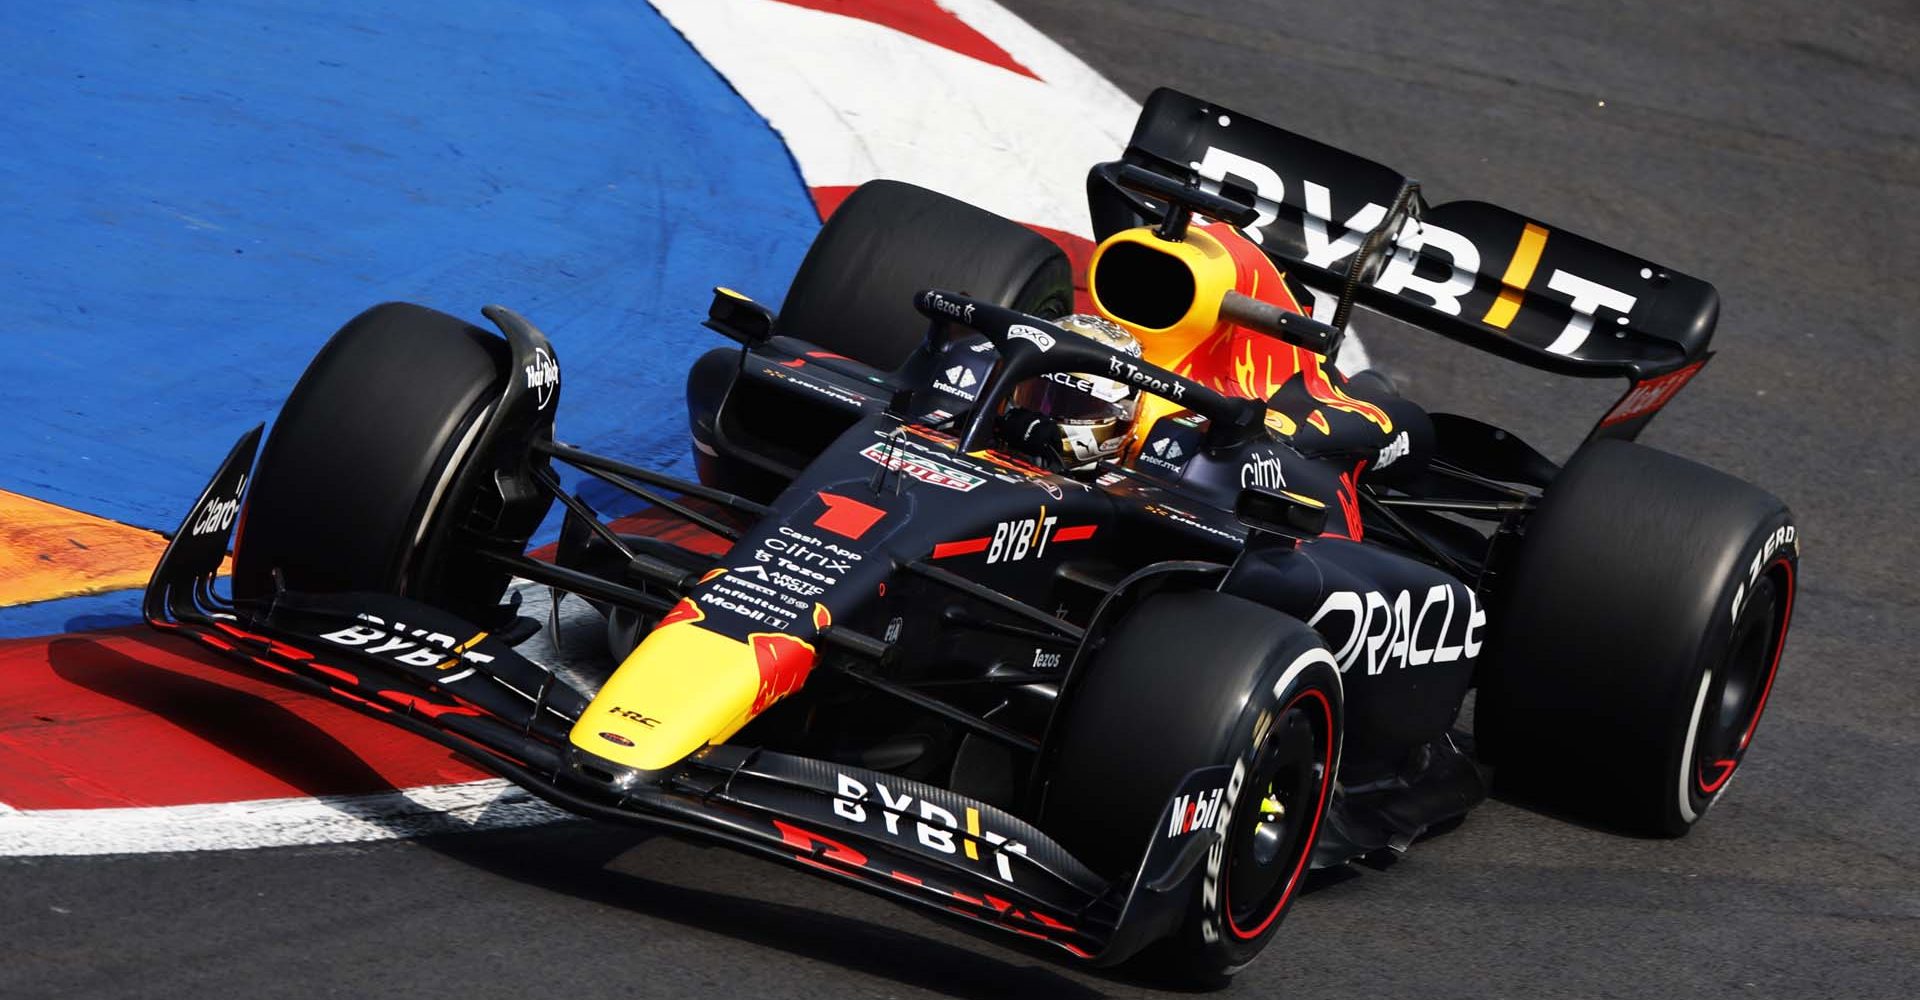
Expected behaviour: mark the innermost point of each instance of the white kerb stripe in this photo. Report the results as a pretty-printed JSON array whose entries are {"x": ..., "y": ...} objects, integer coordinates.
[
  {"x": 415, "y": 812},
  {"x": 855, "y": 100}
]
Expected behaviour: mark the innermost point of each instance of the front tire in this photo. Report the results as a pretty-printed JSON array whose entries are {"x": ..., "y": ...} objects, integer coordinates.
[
  {"x": 1636, "y": 639},
  {"x": 356, "y": 476},
  {"x": 1216, "y": 680}
]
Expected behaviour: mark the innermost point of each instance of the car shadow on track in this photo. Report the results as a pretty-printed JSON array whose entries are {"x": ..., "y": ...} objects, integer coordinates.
[
  {"x": 253, "y": 729},
  {"x": 572, "y": 859},
  {"x": 589, "y": 866}
]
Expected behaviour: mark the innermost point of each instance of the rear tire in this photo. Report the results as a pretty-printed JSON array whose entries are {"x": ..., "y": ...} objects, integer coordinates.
[
  {"x": 355, "y": 477},
  {"x": 1216, "y": 680},
  {"x": 1636, "y": 639},
  {"x": 853, "y": 294}
]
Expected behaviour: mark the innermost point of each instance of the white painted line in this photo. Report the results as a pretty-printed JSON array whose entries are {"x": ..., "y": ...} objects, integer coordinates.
[
  {"x": 855, "y": 101},
  {"x": 480, "y": 805},
  {"x": 1352, "y": 355}
]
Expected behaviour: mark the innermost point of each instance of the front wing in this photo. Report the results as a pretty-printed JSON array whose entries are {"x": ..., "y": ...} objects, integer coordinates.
[{"x": 426, "y": 671}]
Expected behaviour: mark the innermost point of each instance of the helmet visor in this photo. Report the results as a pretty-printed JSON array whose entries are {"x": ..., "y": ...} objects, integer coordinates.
[{"x": 1069, "y": 397}]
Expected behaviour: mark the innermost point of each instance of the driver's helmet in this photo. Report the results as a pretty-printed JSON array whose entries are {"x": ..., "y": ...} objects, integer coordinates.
[{"x": 1095, "y": 414}]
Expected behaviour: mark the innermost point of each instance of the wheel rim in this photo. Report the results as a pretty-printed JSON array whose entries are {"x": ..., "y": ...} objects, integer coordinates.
[
  {"x": 1276, "y": 821},
  {"x": 1733, "y": 693}
]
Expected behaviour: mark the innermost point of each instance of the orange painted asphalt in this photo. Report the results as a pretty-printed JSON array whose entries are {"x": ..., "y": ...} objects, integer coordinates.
[{"x": 48, "y": 552}]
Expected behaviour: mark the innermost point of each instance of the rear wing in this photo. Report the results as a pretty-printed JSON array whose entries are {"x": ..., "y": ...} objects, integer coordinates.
[{"x": 1468, "y": 270}]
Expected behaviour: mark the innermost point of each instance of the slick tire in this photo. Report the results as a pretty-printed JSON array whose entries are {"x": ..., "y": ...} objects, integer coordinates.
[
  {"x": 1190, "y": 680},
  {"x": 355, "y": 476},
  {"x": 1635, "y": 639},
  {"x": 853, "y": 294}
]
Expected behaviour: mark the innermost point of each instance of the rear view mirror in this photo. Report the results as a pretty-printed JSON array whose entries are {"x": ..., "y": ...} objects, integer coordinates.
[{"x": 737, "y": 317}]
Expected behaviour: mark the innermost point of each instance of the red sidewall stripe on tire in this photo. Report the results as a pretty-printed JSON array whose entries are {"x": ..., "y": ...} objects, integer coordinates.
[
  {"x": 1779, "y": 647},
  {"x": 1313, "y": 832}
]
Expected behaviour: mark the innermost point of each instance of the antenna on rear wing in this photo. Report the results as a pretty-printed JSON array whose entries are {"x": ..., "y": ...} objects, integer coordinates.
[{"x": 1372, "y": 257}]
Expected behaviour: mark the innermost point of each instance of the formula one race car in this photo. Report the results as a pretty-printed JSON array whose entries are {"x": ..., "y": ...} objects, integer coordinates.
[{"x": 1098, "y": 629}]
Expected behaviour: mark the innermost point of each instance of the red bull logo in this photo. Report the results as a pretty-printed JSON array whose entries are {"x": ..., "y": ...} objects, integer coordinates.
[
  {"x": 685, "y": 611},
  {"x": 784, "y": 663}
]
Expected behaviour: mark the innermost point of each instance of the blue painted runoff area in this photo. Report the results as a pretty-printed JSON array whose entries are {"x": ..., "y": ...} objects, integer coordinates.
[
  {"x": 71, "y": 614},
  {"x": 194, "y": 196}
]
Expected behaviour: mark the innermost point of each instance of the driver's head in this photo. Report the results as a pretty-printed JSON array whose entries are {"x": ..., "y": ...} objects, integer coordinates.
[{"x": 1095, "y": 414}]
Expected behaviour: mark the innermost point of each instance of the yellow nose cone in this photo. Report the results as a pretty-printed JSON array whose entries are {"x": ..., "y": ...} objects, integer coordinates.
[{"x": 684, "y": 687}]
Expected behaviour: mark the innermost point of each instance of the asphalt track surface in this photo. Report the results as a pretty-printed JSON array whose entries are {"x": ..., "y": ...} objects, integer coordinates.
[{"x": 1768, "y": 148}]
